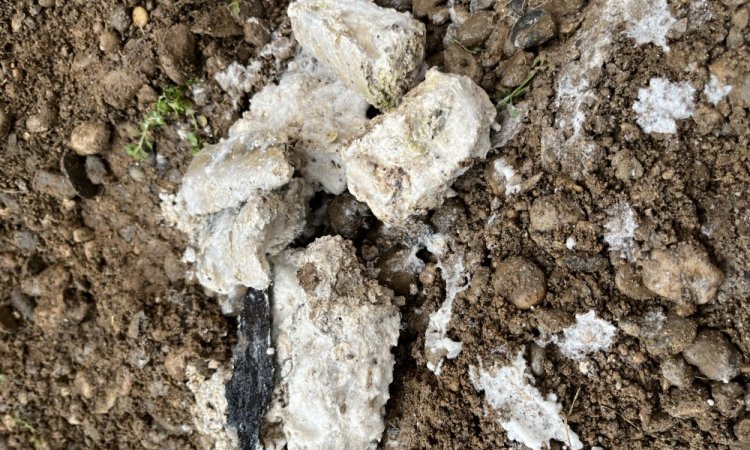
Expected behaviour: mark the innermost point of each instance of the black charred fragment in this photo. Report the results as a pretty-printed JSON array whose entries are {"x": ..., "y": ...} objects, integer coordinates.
[{"x": 249, "y": 391}]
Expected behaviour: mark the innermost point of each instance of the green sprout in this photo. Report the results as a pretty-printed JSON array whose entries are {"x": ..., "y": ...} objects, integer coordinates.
[
  {"x": 507, "y": 99},
  {"x": 235, "y": 5},
  {"x": 171, "y": 103}
]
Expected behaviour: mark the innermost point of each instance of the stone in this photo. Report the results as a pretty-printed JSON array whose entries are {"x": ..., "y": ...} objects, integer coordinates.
[
  {"x": 627, "y": 167},
  {"x": 177, "y": 53},
  {"x": 336, "y": 329},
  {"x": 54, "y": 184},
  {"x": 140, "y": 16},
  {"x": 74, "y": 167},
  {"x": 628, "y": 281},
  {"x": 461, "y": 62},
  {"x": 666, "y": 335},
  {"x": 683, "y": 274},
  {"x": 90, "y": 138},
  {"x": 83, "y": 234},
  {"x": 533, "y": 29},
  {"x": 407, "y": 161},
  {"x": 742, "y": 430},
  {"x": 520, "y": 282},
  {"x": 715, "y": 356},
  {"x": 377, "y": 52},
  {"x": 43, "y": 120},
  {"x": 217, "y": 177},
  {"x": 475, "y": 30},
  {"x": 119, "y": 19},
  {"x": 257, "y": 32},
  {"x": 119, "y": 87},
  {"x": 676, "y": 372},
  {"x": 109, "y": 42},
  {"x": 552, "y": 212},
  {"x": 96, "y": 170},
  {"x": 728, "y": 398},
  {"x": 434, "y": 10},
  {"x": 348, "y": 217},
  {"x": 399, "y": 269}
]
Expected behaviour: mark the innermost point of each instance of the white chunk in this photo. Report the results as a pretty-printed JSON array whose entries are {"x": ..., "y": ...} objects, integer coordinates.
[
  {"x": 507, "y": 172},
  {"x": 210, "y": 408},
  {"x": 226, "y": 174},
  {"x": 409, "y": 158},
  {"x": 650, "y": 22},
  {"x": 663, "y": 102},
  {"x": 375, "y": 51},
  {"x": 589, "y": 334},
  {"x": 715, "y": 90},
  {"x": 522, "y": 411},
  {"x": 318, "y": 114},
  {"x": 237, "y": 79},
  {"x": 231, "y": 246},
  {"x": 333, "y": 330},
  {"x": 621, "y": 226}
]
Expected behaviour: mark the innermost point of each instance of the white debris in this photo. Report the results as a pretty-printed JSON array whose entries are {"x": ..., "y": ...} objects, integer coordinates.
[
  {"x": 237, "y": 79},
  {"x": 715, "y": 90},
  {"x": 621, "y": 226},
  {"x": 570, "y": 243},
  {"x": 333, "y": 330},
  {"x": 521, "y": 409},
  {"x": 651, "y": 24},
  {"x": 512, "y": 179},
  {"x": 210, "y": 408},
  {"x": 589, "y": 334},
  {"x": 663, "y": 102},
  {"x": 409, "y": 158},
  {"x": 226, "y": 174},
  {"x": 318, "y": 114},
  {"x": 375, "y": 51}
]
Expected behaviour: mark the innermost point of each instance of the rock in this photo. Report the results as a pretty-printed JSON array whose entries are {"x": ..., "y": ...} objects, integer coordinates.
[
  {"x": 553, "y": 212},
  {"x": 109, "y": 42},
  {"x": 435, "y": 10},
  {"x": 83, "y": 234},
  {"x": 46, "y": 3},
  {"x": 6, "y": 122},
  {"x": 461, "y": 62},
  {"x": 676, "y": 372},
  {"x": 629, "y": 282},
  {"x": 475, "y": 30},
  {"x": 348, "y": 217},
  {"x": 715, "y": 356},
  {"x": 257, "y": 32},
  {"x": 74, "y": 166},
  {"x": 707, "y": 119},
  {"x": 666, "y": 335},
  {"x": 137, "y": 174},
  {"x": 742, "y": 430},
  {"x": 627, "y": 167},
  {"x": 683, "y": 274},
  {"x": 177, "y": 53},
  {"x": 476, "y": 5},
  {"x": 728, "y": 398},
  {"x": 43, "y": 120},
  {"x": 323, "y": 305},
  {"x": 399, "y": 270},
  {"x": 520, "y": 282},
  {"x": 90, "y": 138},
  {"x": 552, "y": 321},
  {"x": 533, "y": 29},
  {"x": 54, "y": 184},
  {"x": 407, "y": 161},
  {"x": 218, "y": 23},
  {"x": 445, "y": 218},
  {"x": 119, "y": 87},
  {"x": 686, "y": 403},
  {"x": 140, "y": 16},
  {"x": 515, "y": 71},
  {"x": 23, "y": 304},
  {"x": 96, "y": 170},
  {"x": 120, "y": 19},
  {"x": 375, "y": 51},
  {"x": 218, "y": 176}
]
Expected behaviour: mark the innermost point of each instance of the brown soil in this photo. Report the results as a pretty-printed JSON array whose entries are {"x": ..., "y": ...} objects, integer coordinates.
[{"x": 97, "y": 318}]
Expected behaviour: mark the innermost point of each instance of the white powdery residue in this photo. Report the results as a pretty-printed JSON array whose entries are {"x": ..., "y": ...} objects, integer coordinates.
[
  {"x": 715, "y": 90},
  {"x": 589, "y": 334},
  {"x": 663, "y": 102},
  {"x": 512, "y": 179},
  {"x": 522, "y": 411},
  {"x": 210, "y": 409},
  {"x": 621, "y": 226},
  {"x": 651, "y": 24},
  {"x": 237, "y": 79}
]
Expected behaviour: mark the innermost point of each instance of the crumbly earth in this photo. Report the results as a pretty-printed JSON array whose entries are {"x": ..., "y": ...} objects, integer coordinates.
[{"x": 98, "y": 319}]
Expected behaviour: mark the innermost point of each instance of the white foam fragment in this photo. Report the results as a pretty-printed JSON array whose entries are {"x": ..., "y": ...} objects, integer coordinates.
[
  {"x": 237, "y": 79},
  {"x": 715, "y": 90},
  {"x": 662, "y": 103},
  {"x": 521, "y": 409},
  {"x": 621, "y": 226},
  {"x": 588, "y": 335},
  {"x": 512, "y": 179},
  {"x": 409, "y": 158},
  {"x": 375, "y": 51},
  {"x": 650, "y": 24},
  {"x": 333, "y": 330},
  {"x": 318, "y": 114}
]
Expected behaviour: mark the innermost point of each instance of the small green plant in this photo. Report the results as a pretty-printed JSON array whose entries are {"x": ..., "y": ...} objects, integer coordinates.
[
  {"x": 235, "y": 5},
  {"x": 507, "y": 99},
  {"x": 171, "y": 103},
  {"x": 3, "y": 378}
]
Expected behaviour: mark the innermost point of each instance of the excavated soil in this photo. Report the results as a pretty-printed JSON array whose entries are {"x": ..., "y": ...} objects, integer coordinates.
[{"x": 98, "y": 318}]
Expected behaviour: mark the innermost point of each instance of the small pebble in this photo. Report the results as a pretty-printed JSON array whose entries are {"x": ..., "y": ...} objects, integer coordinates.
[
  {"x": 90, "y": 138},
  {"x": 177, "y": 53},
  {"x": 140, "y": 16},
  {"x": 109, "y": 42},
  {"x": 398, "y": 269},
  {"x": 447, "y": 216},
  {"x": 257, "y": 32},
  {"x": 520, "y": 282},
  {"x": 46, "y": 3},
  {"x": 742, "y": 430},
  {"x": 42, "y": 121},
  {"x": 666, "y": 335},
  {"x": 348, "y": 217},
  {"x": 460, "y": 62},
  {"x": 628, "y": 281},
  {"x": 96, "y": 171},
  {"x": 552, "y": 212},
  {"x": 676, "y": 372},
  {"x": 728, "y": 398},
  {"x": 137, "y": 174},
  {"x": 6, "y": 121},
  {"x": 83, "y": 234},
  {"x": 54, "y": 184},
  {"x": 533, "y": 29},
  {"x": 120, "y": 19},
  {"x": 475, "y": 30},
  {"x": 715, "y": 356},
  {"x": 627, "y": 167}
]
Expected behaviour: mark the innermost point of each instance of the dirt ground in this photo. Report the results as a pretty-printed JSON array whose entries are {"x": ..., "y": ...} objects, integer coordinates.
[{"x": 98, "y": 318}]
